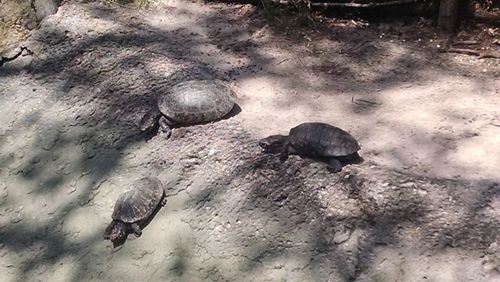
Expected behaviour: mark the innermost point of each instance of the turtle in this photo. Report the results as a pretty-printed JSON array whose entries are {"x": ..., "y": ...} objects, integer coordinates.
[
  {"x": 317, "y": 140},
  {"x": 190, "y": 102},
  {"x": 134, "y": 207}
]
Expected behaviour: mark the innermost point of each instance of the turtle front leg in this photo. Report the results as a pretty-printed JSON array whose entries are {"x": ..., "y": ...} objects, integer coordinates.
[
  {"x": 334, "y": 165},
  {"x": 137, "y": 230},
  {"x": 284, "y": 153},
  {"x": 165, "y": 127}
]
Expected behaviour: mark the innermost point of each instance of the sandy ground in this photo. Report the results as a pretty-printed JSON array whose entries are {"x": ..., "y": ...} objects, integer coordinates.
[{"x": 424, "y": 206}]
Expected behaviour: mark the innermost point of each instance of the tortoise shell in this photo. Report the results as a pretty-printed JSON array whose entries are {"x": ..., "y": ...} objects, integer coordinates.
[
  {"x": 138, "y": 203},
  {"x": 196, "y": 101},
  {"x": 322, "y": 140}
]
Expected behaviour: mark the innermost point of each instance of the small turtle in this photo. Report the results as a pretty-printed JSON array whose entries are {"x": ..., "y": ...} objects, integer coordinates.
[
  {"x": 317, "y": 140},
  {"x": 190, "y": 102},
  {"x": 134, "y": 207}
]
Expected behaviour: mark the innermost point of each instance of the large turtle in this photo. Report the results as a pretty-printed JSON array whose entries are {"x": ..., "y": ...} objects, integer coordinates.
[
  {"x": 314, "y": 139},
  {"x": 134, "y": 207},
  {"x": 190, "y": 102}
]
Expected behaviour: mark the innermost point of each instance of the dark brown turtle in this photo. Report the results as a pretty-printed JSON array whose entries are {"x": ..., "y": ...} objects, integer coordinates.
[
  {"x": 190, "y": 102},
  {"x": 317, "y": 140},
  {"x": 134, "y": 207}
]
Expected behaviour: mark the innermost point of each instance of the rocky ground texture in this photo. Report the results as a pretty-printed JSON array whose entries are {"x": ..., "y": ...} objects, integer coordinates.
[{"x": 424, "y": 206}]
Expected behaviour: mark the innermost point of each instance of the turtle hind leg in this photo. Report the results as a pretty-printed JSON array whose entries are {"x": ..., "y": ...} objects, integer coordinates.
[
  {"x": 334, "y": 165},
  {"x": 137, "y": 230},
  {"x": 165, "y": 127}
]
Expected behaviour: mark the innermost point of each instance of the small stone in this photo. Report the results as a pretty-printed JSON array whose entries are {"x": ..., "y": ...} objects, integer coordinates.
[
  {"x": 291, "y": 170},
  {"x": 421, "y": 192},
  {"x": 493, "y": 248},
  {"x": 408, "y": 184},
  {"x": 211, "y": 152},
  {"x": 341, "y": 236}
]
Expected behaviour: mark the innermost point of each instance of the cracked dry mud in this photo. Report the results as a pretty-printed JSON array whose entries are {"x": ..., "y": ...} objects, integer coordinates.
[{"x": 424, "y": 206}]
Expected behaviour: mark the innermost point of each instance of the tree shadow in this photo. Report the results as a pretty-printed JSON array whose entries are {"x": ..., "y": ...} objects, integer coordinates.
[
  {"x": 102, "y": 80},
  {"x": 378, "y": 206}
]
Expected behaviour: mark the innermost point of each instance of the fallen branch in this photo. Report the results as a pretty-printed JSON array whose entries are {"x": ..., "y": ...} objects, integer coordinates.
[
  {"x": 353, "y": 5},
  {"x": 467, "y": 42},
  {"x": 481, "y": 55},
  {"x": 462, "y": 51},
  {"x": 489, "y": 55},
  {"x": 488, "y": 17}
]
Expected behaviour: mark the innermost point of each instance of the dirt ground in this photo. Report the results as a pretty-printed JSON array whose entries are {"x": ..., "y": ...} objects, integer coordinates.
[{"x": 424, "y": 206}]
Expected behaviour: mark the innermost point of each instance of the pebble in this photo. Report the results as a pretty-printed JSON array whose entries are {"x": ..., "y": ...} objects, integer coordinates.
[
  {"x": 422, "y": 192},
  {"x": 493, "y": 248},
  {"x": 211, "y": 152},
  {"x": 341, "y": 237},
  {"x": 408, "y": 184}
]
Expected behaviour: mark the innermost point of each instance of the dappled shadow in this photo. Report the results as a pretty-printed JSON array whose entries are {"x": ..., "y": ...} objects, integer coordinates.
[
  {"x": 275, "y": 211},
  {"x": 74, "y": 146}
]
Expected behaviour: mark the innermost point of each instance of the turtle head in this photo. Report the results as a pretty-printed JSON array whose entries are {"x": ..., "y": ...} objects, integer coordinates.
[
  {"x": 116, "y": 231},
  {"x": 150, "y": 120},
  {"x": 273, "y": 144}
]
